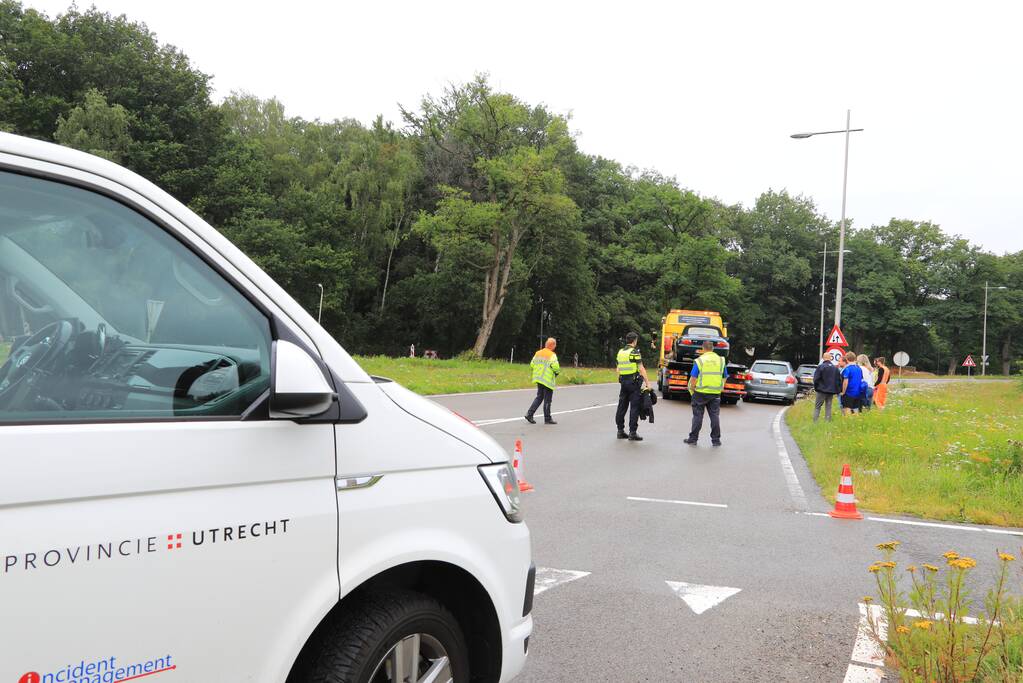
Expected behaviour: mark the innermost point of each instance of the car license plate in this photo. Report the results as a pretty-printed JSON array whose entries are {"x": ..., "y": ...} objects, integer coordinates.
[
  {"x": 806, "y": 380},
  {"x": 770, "y": 381}
]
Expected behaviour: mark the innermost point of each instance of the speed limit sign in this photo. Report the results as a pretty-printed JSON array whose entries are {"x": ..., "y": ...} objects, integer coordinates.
[{"x": 835, "y": 353}]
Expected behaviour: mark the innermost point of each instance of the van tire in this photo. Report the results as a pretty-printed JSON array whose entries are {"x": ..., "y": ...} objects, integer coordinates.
[{"x": 365, "y": 632}]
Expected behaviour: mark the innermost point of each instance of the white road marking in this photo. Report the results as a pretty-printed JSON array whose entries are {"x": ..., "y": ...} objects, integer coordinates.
[
  {"x": 935, "y": 525},
  {"x": 867, "y": 665},
  {"x": 701, "y": 598},
  {"x": 676, "y": 502},
  {"x": 795, "y": 490},
  {"x": 487, "y": 423},
  {"x": 532, "y": 389},
  {"x": 547, "y": 578}
]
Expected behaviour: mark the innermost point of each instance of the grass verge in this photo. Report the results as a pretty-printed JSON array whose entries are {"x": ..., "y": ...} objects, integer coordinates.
[
  {"x": 455, "y": 376},
  {"x": 5, "y": 350},
  {"x": 951, "y": 451}
]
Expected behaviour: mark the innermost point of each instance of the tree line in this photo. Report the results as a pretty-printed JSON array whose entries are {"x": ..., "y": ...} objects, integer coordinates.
[{"x": 476, "y": 218}]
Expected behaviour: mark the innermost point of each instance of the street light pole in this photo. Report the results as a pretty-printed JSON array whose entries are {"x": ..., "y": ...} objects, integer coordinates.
[
  {"x": 983, "y": 347},
  {"x": 824, "y": 267},
  {"x": 845, "y": 181},
  {"x": 319, "y": 314},
  {"x": 841, "y": 230}
]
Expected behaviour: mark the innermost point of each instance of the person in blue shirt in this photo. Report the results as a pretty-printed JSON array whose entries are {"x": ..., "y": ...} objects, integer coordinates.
[{"x": 852, "y": 386}]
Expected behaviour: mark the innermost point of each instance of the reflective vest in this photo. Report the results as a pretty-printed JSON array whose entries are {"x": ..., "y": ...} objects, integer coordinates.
[
  {"x": 711, "y": 379},
  {"x": 544, "y": 368},
  {"x": 628, "y": 361}
]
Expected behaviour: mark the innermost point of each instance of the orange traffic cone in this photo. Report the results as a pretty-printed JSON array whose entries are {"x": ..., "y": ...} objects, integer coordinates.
[
  {"x": 845, "y": 502},
  {"x": 518, "y": 467}
]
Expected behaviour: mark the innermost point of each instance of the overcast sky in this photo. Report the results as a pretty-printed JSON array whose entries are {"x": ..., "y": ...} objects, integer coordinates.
[{"x": 707, "y": 92}]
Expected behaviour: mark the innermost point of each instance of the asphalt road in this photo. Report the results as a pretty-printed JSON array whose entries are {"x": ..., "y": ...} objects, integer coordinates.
[{"x": 801, "y": 576}]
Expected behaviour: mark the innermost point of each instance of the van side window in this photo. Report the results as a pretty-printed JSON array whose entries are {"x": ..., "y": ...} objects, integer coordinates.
[{"x": 105, "y": 316}]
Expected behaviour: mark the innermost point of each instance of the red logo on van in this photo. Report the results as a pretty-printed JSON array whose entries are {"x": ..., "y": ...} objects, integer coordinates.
[{"x": 30, "y": 677}]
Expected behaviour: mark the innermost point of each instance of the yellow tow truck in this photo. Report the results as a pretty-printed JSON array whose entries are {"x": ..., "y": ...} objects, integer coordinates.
[{"x": 683, "y": 332}]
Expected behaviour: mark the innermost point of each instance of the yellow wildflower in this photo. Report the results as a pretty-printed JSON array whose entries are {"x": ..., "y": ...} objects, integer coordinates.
[
  {"x": 925, "y": 625},
  {"x": 911, "y": 568},
  {"x": 874, "y": 568},
  {"x": 867, "y": 599},
  {"x": 890, "y": 545},
  {"x": 1006, "y": 557},
  {"x": 951, "y": 555},
  {"x": 902, "y": 629},
  {"x": 930, "y": 567},
  {"x": 886, "y": 565},
  {"x": 963, "y": 563}
]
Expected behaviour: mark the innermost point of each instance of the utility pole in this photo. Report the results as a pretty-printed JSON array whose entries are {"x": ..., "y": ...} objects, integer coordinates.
[
  {"x": 983, "y": 352},
  {"x": 319, "y": 314}
]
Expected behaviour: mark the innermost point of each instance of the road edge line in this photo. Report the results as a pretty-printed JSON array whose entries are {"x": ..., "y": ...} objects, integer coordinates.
[{"x": 792, "y": 481}]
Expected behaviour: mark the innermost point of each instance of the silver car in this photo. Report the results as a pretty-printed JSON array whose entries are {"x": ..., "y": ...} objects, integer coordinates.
[{"x": 771, "y": 380}]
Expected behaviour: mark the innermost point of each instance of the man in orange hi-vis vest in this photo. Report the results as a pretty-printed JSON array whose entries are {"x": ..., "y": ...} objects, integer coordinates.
[{"x": 544, "y": 368}]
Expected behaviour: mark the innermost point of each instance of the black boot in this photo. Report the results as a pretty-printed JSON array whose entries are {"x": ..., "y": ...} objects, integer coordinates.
[
  {"x": 622, "y": 434},
  {"x": 549, "y": 421},
  {"x": 530, "y": 420},
  {"x": 633, "y": 436}
]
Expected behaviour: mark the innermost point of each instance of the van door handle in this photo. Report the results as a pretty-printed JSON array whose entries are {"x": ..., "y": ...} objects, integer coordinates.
[{"x": 363, "y": 482}]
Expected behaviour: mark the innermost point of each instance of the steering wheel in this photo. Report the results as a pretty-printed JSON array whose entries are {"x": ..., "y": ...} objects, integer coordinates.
[{"x": 34, "y": 354}]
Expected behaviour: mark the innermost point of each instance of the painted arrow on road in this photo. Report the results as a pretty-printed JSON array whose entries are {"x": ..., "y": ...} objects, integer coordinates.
[
  {"x": 701, "y": 598},
  {"x": 547, "y": 578}
]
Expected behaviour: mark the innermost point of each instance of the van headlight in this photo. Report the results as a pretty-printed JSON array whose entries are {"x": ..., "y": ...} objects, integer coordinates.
[{"x": 505, "y": 487}]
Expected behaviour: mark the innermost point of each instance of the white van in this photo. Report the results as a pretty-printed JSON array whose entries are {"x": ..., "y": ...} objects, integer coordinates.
[{"x": 198, "y": 484}]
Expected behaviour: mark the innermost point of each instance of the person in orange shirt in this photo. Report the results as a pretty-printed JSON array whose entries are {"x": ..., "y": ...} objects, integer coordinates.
[{"x": 884, "y": 374}]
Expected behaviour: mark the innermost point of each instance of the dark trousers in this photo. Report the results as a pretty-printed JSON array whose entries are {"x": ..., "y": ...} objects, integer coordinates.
[
  {"x": 822, "y": 399},
  {"x": 543, "y": 395},
  {"x": 712, "y": 403},
  {"x": 628, "y": 399}
]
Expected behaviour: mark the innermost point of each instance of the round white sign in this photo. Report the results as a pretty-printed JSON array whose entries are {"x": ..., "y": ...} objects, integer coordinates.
[
  {"x": 901, "y": 359},
  {"x": 835, "y": 353}
]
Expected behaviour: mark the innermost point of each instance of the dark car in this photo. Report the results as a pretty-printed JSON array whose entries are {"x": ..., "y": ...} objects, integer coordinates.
[{"x": 804, "y": 375}]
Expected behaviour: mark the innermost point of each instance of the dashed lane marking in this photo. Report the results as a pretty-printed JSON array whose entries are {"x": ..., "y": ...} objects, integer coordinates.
[
  {"x": 547, "y": 578},
  {"x": 933, "y": 525},
  {"x": 487, "y": 423},
  {"x": 795, "y": 490},
  {"x": 676, "y": 502}
]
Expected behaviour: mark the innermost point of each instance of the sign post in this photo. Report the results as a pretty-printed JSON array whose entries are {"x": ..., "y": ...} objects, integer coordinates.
[
  {"x": 969, "y": 364},
  {"x": 901, "y": 359}
]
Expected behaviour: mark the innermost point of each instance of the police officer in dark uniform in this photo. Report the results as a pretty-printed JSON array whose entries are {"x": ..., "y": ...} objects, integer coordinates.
[{"x": 630, "y": 372}]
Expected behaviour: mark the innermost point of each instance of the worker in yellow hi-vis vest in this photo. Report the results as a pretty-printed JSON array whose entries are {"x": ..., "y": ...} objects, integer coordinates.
[
  {"x": 544, "y": 368},
  {"x": 706, "y": 381},
  {"x": 630, "y": 374}
]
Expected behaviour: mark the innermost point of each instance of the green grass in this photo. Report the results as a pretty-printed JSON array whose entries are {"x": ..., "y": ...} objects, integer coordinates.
[
  {"x": 948, "y": 451},
  {"x": 5, "y": 350},
  {"x": 455, "y": 376}
]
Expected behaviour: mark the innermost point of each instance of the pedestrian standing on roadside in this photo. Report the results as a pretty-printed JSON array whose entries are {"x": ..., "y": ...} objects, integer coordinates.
[
  {"x": 827, "y": 383},
  {"x": 545, "y": 369},
  {"x": 706, "y": 381},
  {"x": 630, "y": 372},
  {"x": 852, "y": 379},
  {"x": 867, "y": 388},
  {"x": 884, "y": 374}
]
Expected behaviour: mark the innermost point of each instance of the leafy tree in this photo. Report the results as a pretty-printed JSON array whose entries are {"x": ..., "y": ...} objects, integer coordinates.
[{"x": 96, "y": 127}]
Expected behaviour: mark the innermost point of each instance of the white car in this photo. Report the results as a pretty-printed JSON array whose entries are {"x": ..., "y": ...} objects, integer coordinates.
[{"x": 198, "y": 484}]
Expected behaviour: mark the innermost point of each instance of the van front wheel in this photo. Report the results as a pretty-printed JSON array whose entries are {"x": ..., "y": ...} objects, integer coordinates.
[{"x": 392, "y": 638}]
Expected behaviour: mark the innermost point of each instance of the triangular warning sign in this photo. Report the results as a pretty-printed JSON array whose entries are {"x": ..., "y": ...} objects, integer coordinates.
[
  {"x": 836, "y": 338},
  {"x": 968, "y": 363}
]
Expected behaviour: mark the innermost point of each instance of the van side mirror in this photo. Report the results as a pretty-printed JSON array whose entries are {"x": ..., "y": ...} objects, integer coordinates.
[{"x": 297, "y": 386}]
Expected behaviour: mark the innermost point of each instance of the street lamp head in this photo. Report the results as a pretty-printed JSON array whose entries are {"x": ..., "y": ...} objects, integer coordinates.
[{"x": 800, "y": 136}]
